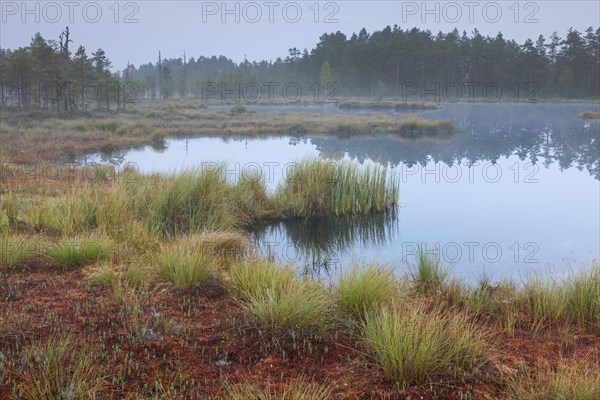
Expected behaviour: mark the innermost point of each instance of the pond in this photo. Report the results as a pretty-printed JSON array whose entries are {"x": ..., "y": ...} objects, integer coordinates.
[{"x": 517, "y": 189}]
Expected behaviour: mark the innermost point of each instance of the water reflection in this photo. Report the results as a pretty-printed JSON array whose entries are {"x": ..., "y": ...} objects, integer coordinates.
[
  {"x": 538, "y": 133},
  {"x": 316, "y": 244},
  {"x": 559, "y": 213}
]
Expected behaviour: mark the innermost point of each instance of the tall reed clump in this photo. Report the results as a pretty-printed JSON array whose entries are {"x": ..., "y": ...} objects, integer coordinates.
[
  {"x": 183, "y": 264},
  {"x": 415, "y": 345},
  {"x": 314, "y": 186},
  {"x": 80, "y": 250},
  {"x": 360, "y": 290},
  {"x": 569, "y": 381},
  {"x": 57, "y": 371},
  {"x": 16, "y": 249}
]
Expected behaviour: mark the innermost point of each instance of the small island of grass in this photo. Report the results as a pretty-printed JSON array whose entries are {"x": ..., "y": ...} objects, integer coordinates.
[
  {"x": 589, "y": 115},
  {"x": 386, "y": 105}
]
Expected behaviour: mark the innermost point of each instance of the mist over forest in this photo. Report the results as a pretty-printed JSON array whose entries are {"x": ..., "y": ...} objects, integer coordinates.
[{"x": 392, "y": 62}]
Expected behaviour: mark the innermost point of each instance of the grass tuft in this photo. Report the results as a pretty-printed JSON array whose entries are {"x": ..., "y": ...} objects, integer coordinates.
[
  {"x": 415, "y": 345},
  {"x": 253, "y": 277},
  {"x": 16, "y": 249},
  {"x": 300, "y": 309},
  {"x": 569, "y": 382},
  {"x": 57, "y": 371},
  {"x": 10, "y": 205},
  {"x": 361, "y": 289},
  {"x": 583, "y": 296},
  {"x": 102, "y": 274},
  {"x": 299, "y": 389},
  {"x": 227, "y": 246},
  {"x": 191, "y": 201},
  {"x": 428, "y": 275},
  {"x": 79, "y": 251},
  {"x": 182, "y": 264}
]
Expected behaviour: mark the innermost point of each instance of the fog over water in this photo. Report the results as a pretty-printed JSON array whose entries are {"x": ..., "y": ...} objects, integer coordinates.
[{"x": 516, "y": 189}]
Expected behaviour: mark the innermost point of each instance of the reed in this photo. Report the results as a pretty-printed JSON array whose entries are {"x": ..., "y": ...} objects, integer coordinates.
[{"x": 316, "y": 186}]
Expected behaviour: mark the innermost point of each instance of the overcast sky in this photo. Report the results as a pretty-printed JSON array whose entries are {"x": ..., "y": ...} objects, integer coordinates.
[{"x": 134, "y": 31}]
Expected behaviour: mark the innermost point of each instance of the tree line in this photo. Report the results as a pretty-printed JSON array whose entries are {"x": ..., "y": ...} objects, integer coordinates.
[
  {"x": 385, "y": 63},
  {"x": 46, "y": 74}
]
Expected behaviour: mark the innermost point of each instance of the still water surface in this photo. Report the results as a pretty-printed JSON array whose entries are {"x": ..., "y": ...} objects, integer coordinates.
[{"x": 517, "y": 189}]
